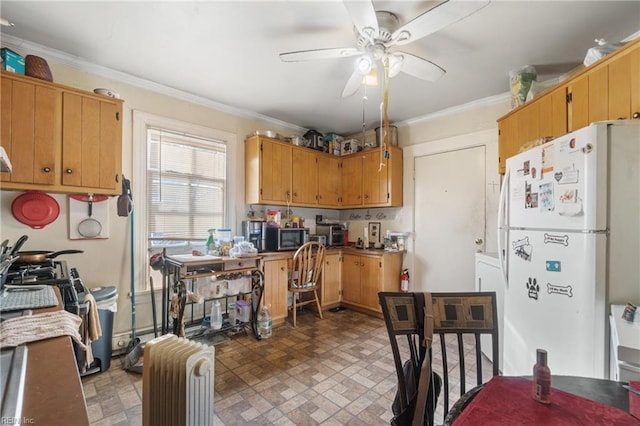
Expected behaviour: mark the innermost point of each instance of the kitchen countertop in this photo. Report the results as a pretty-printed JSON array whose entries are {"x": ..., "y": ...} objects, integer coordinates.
[
  {"x": 273, "y": 255},
  {"x": 53, "y": 392}
]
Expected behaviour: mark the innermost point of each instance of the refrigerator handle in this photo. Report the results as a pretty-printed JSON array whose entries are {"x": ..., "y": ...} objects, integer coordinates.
[{"x": 503, "y": 230}]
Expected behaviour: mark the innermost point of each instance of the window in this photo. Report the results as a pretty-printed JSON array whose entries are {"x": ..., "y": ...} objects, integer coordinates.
[
  {"x": 181, "y": 187},
  {"x": 186, "y": 185}
]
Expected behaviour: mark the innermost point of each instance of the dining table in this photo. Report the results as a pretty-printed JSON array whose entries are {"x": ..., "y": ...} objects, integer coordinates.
[{"x": 506, "y": 400}]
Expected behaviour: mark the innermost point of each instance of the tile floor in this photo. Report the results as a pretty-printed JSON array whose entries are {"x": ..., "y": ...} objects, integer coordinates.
[{"x": 334, "y": 371}]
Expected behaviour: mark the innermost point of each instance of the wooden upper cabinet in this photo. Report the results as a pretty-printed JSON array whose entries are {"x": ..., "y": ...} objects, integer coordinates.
[
  {"x": 90, "y": 156},
  {"x": 634, "y": 64},
  {"x": 29, "y": 120},
  {"x": 578, "y": 103},
  {"x": 370, "y": 180},
  {"x": 607, "y": 90},
  {"x": 60, "y": 139},
  {"x": 329, "y": 181},
  {"x": 304, "y": 176},
  {"x": 279, "y": 173},
  {"x": 352, "y": 180},
  {"x": 275, "y": 172}
]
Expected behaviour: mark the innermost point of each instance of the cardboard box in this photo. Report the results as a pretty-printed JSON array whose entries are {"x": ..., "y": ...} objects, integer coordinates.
[
  {"x": 350, "y": 146},
  {"x": 11, "y": 61}
]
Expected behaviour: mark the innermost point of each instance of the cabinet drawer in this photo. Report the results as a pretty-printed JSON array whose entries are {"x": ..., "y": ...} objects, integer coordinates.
[{"x": 249, "y": 263}]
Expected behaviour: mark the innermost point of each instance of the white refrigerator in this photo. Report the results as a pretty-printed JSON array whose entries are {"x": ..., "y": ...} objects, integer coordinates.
[{"x": 569, "y": 245}]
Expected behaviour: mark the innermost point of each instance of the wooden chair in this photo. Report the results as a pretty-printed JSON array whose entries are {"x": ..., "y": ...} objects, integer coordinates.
[
  {"x": 304, "y": 275},
  {"x": 461, "y": 314},
  {"x": 418, "y": 387}
]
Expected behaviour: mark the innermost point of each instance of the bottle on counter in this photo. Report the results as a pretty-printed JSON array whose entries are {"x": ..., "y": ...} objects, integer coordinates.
[
  {"x": 541, "y": 388},
  {"x": 264, "y": 322},
  {"x": 216, "y": 316}
]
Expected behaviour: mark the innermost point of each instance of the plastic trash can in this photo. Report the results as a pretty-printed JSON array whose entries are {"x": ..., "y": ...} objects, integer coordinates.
[{"x": 107, "y": 304}]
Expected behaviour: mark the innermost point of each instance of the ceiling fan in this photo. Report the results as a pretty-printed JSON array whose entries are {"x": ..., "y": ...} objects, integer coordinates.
[{"x": 378, "y": 31}]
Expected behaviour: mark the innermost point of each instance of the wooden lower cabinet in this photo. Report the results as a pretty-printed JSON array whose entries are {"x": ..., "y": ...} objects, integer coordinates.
[
  {"x": 331, "y": 280},
  {"x": 363, "y": 276},
  {"x": 275, "y": 288}
]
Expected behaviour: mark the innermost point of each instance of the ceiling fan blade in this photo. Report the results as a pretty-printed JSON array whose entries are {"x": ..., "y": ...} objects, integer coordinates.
[
  {"x": 364, "y": 17},
  {"x": 310, "y": 55},
  {"x": 435, "y": 19},
  {"x": 353, "y": 84},
  {"x": 419, "y": 67}
]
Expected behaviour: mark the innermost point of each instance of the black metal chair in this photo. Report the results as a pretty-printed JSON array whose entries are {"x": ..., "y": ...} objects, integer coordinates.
[
  {"x": 460, "y": 314},
  {"x": 404, "y": 318}
]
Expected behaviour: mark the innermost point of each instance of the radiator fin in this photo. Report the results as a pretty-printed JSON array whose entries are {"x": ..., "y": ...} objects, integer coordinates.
[{"x": 177, "y": 382}]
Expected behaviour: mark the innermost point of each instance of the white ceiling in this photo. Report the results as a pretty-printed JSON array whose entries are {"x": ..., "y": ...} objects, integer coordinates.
[{"x": 227, "y": 51}]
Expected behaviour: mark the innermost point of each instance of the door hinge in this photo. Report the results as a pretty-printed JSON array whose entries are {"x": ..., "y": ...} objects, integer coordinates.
[
  {"x": 569, "y": 97},
  {"x": 260, "y": 146},
  {"x": 380, "y": 264},
  {"x": 117, "y": 116}
]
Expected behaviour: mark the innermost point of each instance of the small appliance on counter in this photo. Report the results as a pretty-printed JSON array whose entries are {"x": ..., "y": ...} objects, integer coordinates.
[
  {"x": 254, "y": 232},
  {"x": 333, "y": 232},
  {"x": 278, "y": 239},
  {"x": 322, "y": 239}
]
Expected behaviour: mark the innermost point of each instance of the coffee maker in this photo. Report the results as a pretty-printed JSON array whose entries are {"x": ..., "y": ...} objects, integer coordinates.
[{"x": 254, "y": 232}]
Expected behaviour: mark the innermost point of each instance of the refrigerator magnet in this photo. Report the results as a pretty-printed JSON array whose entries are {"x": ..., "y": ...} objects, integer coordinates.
[
  {"x": 556, "y": 239},
  {"x": 564, "y": 290},
  {"x": 553, "y": 265},
  {"x": 533, "y": 288},
  {"x": 545, "y": 197}
]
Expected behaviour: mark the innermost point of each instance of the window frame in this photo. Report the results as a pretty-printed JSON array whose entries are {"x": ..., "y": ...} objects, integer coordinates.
[{"x": 141, "y": 122}]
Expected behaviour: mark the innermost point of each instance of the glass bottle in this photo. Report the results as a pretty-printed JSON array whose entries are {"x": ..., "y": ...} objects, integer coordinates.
[
  {"x": 541, "y": 388},
  {"x": 211, "y": 242}
]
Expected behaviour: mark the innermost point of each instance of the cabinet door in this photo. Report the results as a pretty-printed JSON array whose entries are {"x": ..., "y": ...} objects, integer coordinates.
[
  {"x": 275, "y": 287},
  {"x": 329, "y": 179},
  {"x": 507, "y": 140},
  {"x": 29, "y": 126},
  {"x": 352, "y": 180},
  {"x": 331, "y": 278},
  {"x": 351, "y": 269},
  {"x": 599, "y": 94},
  {"x": 529, "y": 123},
  {"x": 275, "y": 170},
  {"x": 91, "y": 147},
  {"x": 635, "y": 81},
  {"x": 304, "y": 176},
  {"x": 620, "y": 87},
  {"x": 375, "y": 189},
  {"x": 370, "y": 281},
  {"x": 578, "y": 106}
]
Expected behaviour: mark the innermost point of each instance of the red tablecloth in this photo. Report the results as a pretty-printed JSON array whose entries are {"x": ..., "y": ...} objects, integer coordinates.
[{"x": 508, "y": 401}]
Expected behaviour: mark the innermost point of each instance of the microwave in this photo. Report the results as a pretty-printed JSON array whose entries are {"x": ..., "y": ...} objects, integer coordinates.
[
  {"x": 334, "y": 233},
  {"x": 277, "y": 239}
]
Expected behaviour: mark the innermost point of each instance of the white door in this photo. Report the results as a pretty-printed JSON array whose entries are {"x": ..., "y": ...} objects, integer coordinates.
[{"x": 449, "y": 219}]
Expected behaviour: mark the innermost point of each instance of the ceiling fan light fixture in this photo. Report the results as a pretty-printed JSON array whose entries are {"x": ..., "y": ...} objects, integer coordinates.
[{"x": 364, "y": 64}]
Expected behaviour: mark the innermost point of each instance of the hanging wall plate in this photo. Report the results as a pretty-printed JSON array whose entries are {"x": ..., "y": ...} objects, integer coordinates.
[{"x": 35, "y": 209}]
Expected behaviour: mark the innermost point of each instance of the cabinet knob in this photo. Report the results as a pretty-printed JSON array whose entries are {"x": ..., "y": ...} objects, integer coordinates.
[
  {"x": 241, "y": 264},
  {"x": 282, "y": 268},
  {"x": 46, "y": 169},
  {"x": 68, "y": 171},
  {"x": 636, "y": 114},
  {"x": 366, "y": 196}
]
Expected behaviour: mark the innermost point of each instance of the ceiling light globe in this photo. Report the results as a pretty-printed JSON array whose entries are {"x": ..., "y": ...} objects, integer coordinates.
[{"x": 363, "y": 65}]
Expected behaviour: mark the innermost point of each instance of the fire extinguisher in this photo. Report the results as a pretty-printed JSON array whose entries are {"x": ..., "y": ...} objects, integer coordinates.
[{"x": 404, "y": 281}]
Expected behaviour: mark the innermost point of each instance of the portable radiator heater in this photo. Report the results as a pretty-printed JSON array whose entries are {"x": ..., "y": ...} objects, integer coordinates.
[{"x": 177, "y": 382}]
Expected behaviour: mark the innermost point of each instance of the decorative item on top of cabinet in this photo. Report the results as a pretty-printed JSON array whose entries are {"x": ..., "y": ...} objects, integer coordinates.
[{"x": 50, "y": 131}]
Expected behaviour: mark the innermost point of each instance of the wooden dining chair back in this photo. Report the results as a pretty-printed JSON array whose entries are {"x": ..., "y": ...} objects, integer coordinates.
[
  {"x": 304, "y": 275},
  {"x": 418, "y": 387},
  {"x": 467, "y": 316}
]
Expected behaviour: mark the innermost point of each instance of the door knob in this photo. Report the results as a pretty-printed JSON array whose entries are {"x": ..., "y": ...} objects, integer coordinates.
[{"x": 479, "y": 241}]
